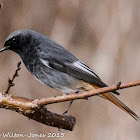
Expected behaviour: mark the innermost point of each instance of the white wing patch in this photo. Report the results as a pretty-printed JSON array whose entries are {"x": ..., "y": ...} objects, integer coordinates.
[
  {"x": 83, "y": 67},
  {"x": 45, "y": 62}
]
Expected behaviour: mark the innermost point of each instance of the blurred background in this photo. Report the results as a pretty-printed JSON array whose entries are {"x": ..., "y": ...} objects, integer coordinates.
[{"x": 105, "y": 35}]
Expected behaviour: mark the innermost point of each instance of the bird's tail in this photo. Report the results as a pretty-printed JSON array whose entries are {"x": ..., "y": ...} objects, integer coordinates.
[
  {"x": 113, "y": 99},
  {"x": 121, "y": 105}
]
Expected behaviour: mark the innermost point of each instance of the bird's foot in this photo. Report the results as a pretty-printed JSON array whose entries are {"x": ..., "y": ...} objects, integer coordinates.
[
  {"x": 118, "y": 85},
  {"x": 65, "y": 112}
]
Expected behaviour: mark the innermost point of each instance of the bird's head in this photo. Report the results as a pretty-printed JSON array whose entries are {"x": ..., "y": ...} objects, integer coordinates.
[{"x": 20, "y": 40}]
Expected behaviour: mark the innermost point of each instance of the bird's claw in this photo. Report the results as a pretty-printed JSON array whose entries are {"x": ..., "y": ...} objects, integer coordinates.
[{"x": 64, "y": 113}]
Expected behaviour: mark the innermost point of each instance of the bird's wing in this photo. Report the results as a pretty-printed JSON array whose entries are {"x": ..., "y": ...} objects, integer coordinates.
[
  {"x": 75, "y": 69},
  {"x": 58, "y": 58}
]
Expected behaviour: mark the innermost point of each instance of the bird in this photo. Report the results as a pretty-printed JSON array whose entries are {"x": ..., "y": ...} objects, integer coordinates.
[{"x": 53, "y": 65}]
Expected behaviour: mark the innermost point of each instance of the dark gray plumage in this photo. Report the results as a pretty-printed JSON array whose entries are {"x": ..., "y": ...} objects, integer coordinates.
[
  {"x": 58, "y": 66},
  {"x": 54, "y": 66},
  {"x": 49, "y": 62}
]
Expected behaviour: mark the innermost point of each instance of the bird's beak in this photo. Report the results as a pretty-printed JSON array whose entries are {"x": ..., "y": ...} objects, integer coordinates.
[{"x": 5, "y": 48}]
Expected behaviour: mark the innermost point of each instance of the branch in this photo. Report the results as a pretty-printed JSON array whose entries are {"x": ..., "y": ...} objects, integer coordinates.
[
  {"x": 27, "y": 108},
  {"x": 10, "y": 81},
  {"x": 34, "y": 109},
  {"x": 51, "y": 100}
]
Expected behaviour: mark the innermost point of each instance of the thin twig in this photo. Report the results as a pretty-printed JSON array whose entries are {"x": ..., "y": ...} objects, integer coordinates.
[
  {"x": 10, "y": 81},
  {"x": 51, "y": 100}
]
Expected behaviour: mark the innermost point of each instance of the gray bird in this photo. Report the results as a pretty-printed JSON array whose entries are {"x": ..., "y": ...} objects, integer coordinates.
[{"x": 56, "y": 67}]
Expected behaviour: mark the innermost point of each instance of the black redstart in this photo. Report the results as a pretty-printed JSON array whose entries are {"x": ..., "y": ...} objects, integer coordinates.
[{"x": 56, "y": 67}]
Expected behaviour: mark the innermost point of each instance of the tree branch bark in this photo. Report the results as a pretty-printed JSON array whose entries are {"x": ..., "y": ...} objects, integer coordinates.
[
  {"x": 51, "y": 100},
  {"x": 27, "y": 108},
  {"x": 34, "y": 109}
]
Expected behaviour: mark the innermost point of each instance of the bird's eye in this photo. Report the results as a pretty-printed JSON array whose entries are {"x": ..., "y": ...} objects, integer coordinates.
[{"x": 13, "y": 40}]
